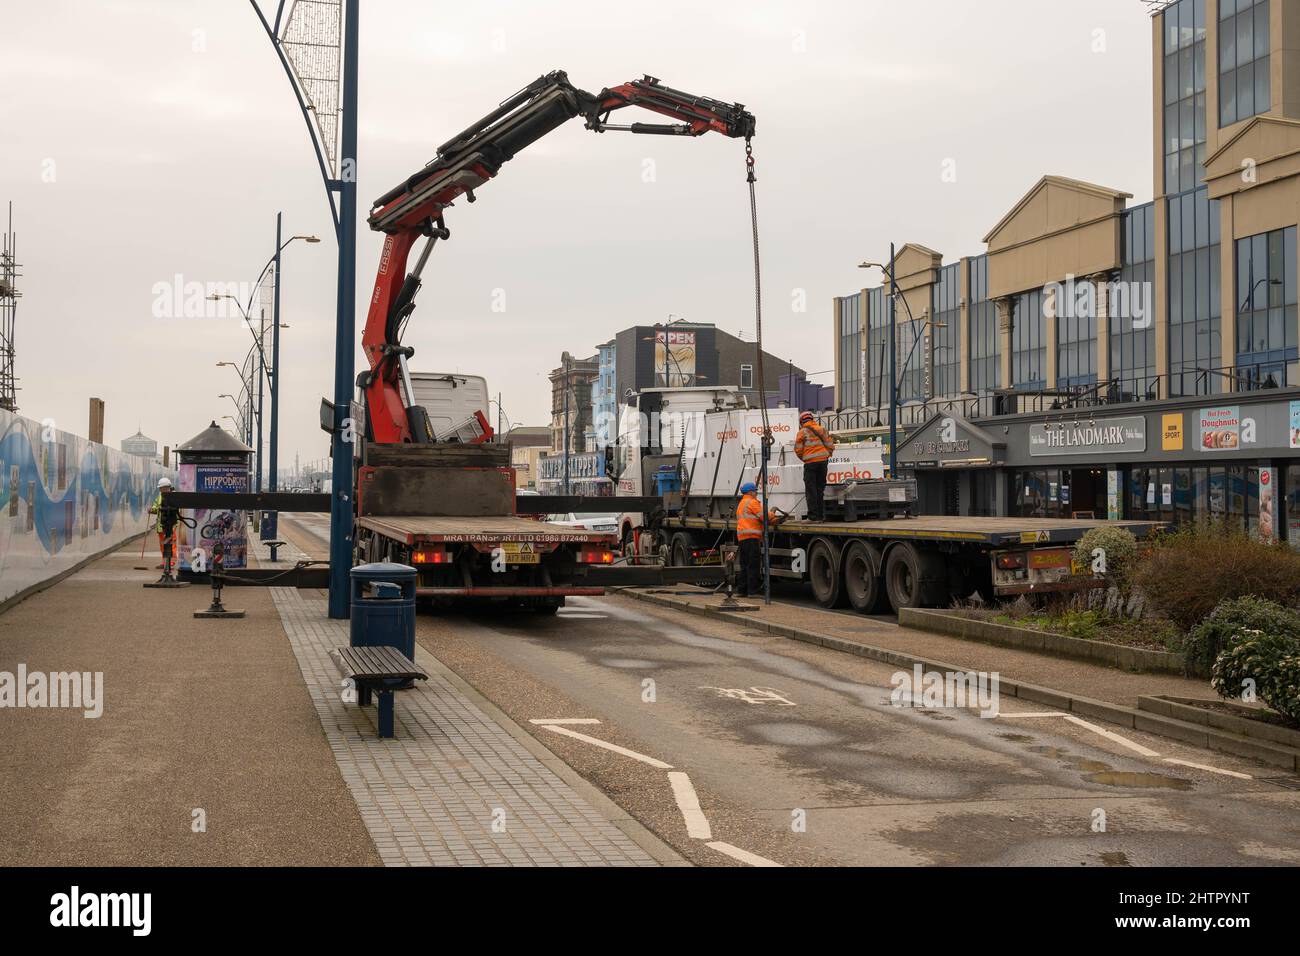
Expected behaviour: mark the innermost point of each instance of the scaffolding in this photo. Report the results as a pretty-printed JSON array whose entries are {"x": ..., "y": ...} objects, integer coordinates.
[{"x": 10, "y": 272}]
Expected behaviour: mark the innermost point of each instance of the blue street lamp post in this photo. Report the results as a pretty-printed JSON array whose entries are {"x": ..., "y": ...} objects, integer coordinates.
[{"x": 345, "y": 332}]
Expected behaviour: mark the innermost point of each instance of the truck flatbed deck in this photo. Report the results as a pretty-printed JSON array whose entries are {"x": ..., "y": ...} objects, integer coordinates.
[
  {"x": 992, "y": 531},
  {"x": 412, "y": 529}
]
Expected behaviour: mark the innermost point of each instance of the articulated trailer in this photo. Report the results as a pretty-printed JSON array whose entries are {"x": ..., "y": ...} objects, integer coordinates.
[
  {"x": 871, "y": 553},
  {"x": 904, "y": 562}
]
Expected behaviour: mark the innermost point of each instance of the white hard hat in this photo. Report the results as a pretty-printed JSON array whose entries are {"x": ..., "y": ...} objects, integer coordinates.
[{"x": 164, "y": 482}]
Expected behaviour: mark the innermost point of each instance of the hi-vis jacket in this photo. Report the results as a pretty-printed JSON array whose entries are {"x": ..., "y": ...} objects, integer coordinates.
[
  {"x": 166, "y": 515},
  {"x": 813, "y": 443},
  {"x": 749, "y": 518}
]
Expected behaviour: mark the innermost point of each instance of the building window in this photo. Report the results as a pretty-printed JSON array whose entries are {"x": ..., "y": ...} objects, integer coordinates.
[
  {"x": 1243, "y": 60},
  {"x": 910, "y": 357},
  {"x": 1029, "y": 343},
  {"x": 1076, "y": 340},
  {"x": 983, "y": 335},
  {"x": 877, "y": 356},
  {"x": 1184, "y": 118},
  {"x": 1195, "y": 343},
  {"x": 1131, "y": 321},
  {"x": 946, "y": 310},
  {"x": 848, "y": 391},
  {"x": 1266, "y": 310},
  {"x": 747, "y": 376}
]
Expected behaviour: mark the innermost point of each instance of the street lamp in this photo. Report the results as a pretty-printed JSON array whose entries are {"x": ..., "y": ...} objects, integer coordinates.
[
  {"x": 238, "y": 408},
  {"x": 893, "y": 353},
  {"x": 270, "y": 374}
]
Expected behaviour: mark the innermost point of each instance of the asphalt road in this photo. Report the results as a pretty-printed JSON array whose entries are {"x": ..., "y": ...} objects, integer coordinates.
[{"x": 798, "y": 755}]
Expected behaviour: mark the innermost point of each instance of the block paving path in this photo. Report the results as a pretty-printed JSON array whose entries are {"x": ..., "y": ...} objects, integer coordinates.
[{"x": 453, "y": 787}]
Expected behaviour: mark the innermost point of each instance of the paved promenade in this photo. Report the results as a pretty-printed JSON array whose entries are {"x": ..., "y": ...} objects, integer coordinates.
[
  {"x": 207, "y": 716},
  {"x": 227, "y": 743}
]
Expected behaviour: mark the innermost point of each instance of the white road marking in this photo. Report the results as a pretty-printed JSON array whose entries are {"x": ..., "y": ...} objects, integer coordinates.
[
  {"x": 565, "y": 720},
  {"x": 1201, "y": 766},
  {"x": 744, "y": 856},
  {"x": 688, "y": 801},
  {"x": 1109, "y": 735},
  {"x": 581, "y": 614},
  {"x": 1124, "y": 741},
  {"x": 608, "y": 746},
  {"x": 754, "y": 695}
]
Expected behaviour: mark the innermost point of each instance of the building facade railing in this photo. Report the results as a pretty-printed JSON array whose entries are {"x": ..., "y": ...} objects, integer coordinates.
[{"x": 993, "y": 403}]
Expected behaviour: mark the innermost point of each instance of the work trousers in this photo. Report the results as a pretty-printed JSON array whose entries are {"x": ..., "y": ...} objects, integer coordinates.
[{"x": 814, "y": 488}]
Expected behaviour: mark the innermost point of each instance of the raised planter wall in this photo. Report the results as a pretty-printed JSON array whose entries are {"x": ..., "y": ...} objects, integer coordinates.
[{"x": 1059, "y": 645}]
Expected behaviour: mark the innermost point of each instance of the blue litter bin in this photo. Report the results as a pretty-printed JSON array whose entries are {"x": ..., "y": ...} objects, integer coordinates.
[{"x": 383, "y": 607}]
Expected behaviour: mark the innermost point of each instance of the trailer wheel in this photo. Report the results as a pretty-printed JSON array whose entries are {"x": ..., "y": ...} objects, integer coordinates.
[
  {"x": 863, "y": 584},
  {"x": 679, "y": 551},
  {"x": 824, "y": 573},
  {"x": 915, "y": 577}
]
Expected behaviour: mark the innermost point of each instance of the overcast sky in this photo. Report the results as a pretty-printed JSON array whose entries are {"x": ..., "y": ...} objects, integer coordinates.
[{"x": 145, "y": 139}]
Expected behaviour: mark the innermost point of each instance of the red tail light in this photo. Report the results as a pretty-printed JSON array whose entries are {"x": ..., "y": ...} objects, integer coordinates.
[
  {"x": 1011, "y": 561},
  {"x": 428, "y": 556},
  {"x": 595, "y": 556}
]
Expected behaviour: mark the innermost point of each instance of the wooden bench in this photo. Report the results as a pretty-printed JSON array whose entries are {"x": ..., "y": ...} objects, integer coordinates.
[{"x": 377, "y": 669}]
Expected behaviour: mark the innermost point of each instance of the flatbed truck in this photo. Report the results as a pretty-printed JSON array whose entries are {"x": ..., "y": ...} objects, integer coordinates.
[
  {"x": 873, "y": 553},
  {"x": 905, "y": 562}
]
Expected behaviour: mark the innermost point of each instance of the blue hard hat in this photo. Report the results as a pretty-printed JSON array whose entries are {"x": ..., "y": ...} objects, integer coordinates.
[{"x": 748, "y": 488}]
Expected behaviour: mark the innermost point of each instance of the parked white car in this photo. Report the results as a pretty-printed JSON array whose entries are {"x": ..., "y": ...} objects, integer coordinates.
[{"x": 587, "y": 521}]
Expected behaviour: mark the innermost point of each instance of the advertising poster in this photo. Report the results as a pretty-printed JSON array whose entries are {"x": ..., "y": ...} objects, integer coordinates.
[
  {"x": 674, "y": 358},
  {"x": 1268, "y": 509},
  {"x": 1294, "y": 429},
  {"x": 1220, "y": 428},
  {"x": 1171, "y": 432},
  {"x": 214, "y": 524},
  {"x": 1113, "y": 511}
]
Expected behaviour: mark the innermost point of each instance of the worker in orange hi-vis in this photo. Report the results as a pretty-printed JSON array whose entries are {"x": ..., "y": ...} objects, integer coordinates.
[
  {"x": 814, "y": 446},
  {"x": 749, "y": 534}
]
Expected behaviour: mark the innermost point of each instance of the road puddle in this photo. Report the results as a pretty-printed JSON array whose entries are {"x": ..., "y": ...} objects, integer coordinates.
[
  {"x": 1098, "y": 771},
  {"x": 1122, "y": 778}
]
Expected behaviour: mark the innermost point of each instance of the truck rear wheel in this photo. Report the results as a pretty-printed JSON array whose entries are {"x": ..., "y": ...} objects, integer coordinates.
[
  {"x": 679, "y": 551},
  {"x": 824, "y": 573},
  {"x": 863, "y": 584},
  {"x": 915, "y": 577}
]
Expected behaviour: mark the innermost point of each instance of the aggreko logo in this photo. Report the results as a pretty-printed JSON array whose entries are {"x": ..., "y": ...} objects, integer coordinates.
[{"x": 853, "y": 474}]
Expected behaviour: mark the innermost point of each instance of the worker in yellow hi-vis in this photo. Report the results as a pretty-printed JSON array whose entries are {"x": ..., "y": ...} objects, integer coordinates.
[{"x": 167, "y": 516}]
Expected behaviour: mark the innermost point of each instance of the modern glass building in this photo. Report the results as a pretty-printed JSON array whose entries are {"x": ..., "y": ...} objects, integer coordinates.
[{"x": 1086, "y": 306}]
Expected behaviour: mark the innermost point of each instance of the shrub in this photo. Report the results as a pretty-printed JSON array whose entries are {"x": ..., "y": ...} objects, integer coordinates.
[
  {"x": 1190, "y": 571},
  {"x": 1272, "y": 661},
  {"x": 1121, "y": 551},
  {"x": 1208, "y": 638}
]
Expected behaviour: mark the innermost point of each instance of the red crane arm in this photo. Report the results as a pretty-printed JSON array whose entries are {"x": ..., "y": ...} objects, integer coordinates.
[{"x": 414, "y": 209}]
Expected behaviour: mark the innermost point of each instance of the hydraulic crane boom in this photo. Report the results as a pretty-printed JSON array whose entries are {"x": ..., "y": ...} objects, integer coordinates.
[{"x": 415, "y": 209}]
